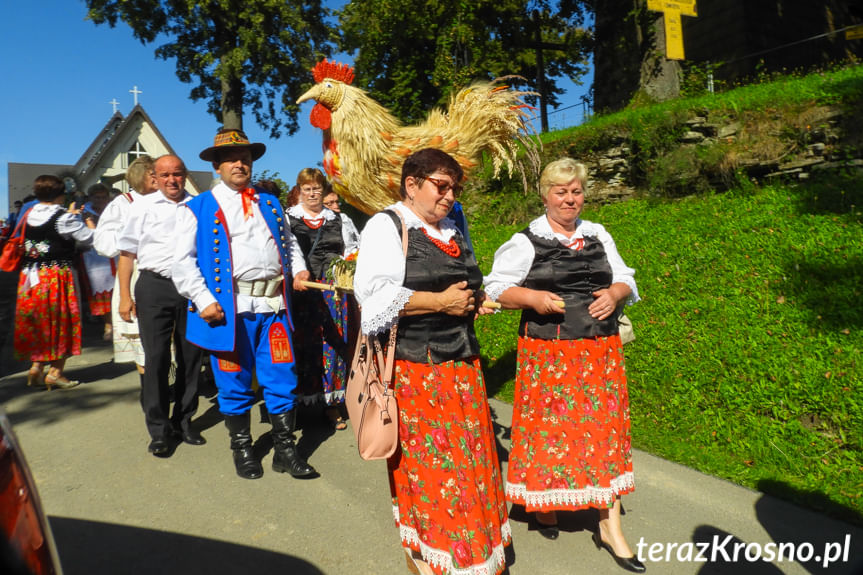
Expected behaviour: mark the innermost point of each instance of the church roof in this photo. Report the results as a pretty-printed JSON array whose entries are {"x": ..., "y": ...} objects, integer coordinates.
[{"x": 116, "y": 125}]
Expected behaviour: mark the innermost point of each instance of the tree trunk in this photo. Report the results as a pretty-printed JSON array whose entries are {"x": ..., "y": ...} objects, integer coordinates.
[
  {"x": 660, "y": 77},
  {"x": 232, "y": 103},
  {"x": 629, "y": 55}
]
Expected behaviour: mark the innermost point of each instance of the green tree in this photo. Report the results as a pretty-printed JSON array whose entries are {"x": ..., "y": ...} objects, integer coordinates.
[
  {"x": 254, "y": 54},
  {"x": 409, "y": 54}
]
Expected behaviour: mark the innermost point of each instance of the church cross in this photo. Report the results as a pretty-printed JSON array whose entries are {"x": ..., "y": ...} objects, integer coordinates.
[
  {"x": 672, "y": 10},
  {"x": 114, "y": 103},
  {"x": 135, "y": 91}
]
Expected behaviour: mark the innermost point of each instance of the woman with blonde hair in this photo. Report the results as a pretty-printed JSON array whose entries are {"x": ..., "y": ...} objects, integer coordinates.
[
  {"x": 141, "y": 178},
  {"x": 571, "y": 441}
]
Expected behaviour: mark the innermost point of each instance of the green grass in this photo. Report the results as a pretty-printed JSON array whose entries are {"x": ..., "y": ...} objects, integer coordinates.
[
  {"x": 775, "y": 119},
  {"x": 747, "y": 362}
]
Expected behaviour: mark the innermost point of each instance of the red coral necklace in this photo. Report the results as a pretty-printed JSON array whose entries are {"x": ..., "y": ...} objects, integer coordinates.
[
  {"x": 314, "y": 224},
  {"x": 450, "y": 248}
]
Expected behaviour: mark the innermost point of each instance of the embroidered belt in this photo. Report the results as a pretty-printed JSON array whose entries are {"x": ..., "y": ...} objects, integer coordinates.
[{"x": 260, "y": 288}]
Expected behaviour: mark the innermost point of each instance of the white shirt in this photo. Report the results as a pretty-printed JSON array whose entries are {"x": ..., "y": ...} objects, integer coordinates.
[
  {"x": 254, "y": 254},
  {"x": 512, "y": 260},
  {"x": 380, "y": 274},
  {"x": 350, "y": 234},
  {"x": 150, "y": 232},
  {"x": 111, "y": 224},
  {"x": 349, "y": 239}
]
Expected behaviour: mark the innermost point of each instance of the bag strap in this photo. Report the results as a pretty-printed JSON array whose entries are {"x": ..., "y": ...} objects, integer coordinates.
[
  {"x": 19, "y": 226},
  {"x": 317, "y": 239},
  {"x": 391, "y": 346}
]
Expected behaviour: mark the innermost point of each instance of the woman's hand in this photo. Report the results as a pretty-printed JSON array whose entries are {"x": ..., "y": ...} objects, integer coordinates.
[
  {"x": 543, "y": 302},
  {"x": 604, "y": 304},
  {"x": 457, "y": 299},
  {"x": 481, "y": 298}
]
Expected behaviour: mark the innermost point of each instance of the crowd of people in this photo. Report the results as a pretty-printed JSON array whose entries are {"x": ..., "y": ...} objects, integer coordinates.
[{"x": 233, "y": 274}]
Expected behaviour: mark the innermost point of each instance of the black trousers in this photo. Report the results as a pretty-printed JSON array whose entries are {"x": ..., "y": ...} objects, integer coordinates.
[{"x": 161, "y": 320}]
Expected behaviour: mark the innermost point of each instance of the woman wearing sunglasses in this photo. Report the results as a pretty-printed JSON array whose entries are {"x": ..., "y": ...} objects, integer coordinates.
[{"x": 444, "y": 479}]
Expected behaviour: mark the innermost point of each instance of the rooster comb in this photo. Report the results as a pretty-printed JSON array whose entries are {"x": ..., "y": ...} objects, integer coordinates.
[{"x": 334, "y": 70}]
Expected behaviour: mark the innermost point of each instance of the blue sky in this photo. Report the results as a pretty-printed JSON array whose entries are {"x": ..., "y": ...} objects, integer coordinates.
[{"x": 60, "y": 71}]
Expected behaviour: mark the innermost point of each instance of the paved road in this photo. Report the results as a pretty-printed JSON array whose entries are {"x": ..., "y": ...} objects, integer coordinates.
[{"x": 115, "y": 509}]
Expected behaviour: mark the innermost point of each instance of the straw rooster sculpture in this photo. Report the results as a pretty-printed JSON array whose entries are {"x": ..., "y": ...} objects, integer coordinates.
[{"x": 364, "y": 145}]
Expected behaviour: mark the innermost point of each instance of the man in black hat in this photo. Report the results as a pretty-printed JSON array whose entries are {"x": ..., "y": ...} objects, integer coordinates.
[{"x": 234, "y": 252}]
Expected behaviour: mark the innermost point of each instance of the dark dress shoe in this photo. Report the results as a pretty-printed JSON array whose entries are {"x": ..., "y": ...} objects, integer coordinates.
[
  {"x": 548, "y": 531},
  {"x": 161, "y": 447},
  {"x": 628, "y": 563},
  {"x": 192, "y": 437}
]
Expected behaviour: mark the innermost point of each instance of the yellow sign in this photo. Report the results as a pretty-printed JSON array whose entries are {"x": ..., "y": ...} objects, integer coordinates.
[
  {"x": 685, "y": 7},
  {"x": 672, "y": 10},
  {"x": 854, "y": 33}
]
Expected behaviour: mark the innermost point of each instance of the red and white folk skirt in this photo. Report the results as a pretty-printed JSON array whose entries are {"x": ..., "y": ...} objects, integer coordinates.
[
  {"x": 47, "y": 315},
  {"x": 571, "y": 440},
  {"x": 445, "y": 479}
]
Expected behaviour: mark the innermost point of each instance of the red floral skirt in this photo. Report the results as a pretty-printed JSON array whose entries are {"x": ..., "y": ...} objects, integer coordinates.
[
  {"x": 571, "y": 439},
  {"x": 47, "y": 317},
  {"x": 448, "y": 498},
  {"x": 100, "y": 303}
]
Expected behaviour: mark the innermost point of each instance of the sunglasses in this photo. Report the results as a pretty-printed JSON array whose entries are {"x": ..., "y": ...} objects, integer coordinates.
[{"x": 443, "y": 187}]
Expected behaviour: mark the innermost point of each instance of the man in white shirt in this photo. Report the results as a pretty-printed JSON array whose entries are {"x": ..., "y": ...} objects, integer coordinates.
[
  {"x": 233, "y": 255},
  {"x": 150, "y": 237}
]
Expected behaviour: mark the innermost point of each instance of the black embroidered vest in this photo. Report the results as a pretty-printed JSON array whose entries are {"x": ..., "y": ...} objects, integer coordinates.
[
  {"x": 48, "y": 246},
  {"x": 573, "y": 275},
  {"x": 436, "y": 336},
  {"x": 329, "y": 246}
]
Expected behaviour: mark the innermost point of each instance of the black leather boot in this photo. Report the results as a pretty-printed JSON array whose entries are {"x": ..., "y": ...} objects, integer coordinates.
[
  {"x": 239, "y": 427},
  {"x": 286, "y": 458}
]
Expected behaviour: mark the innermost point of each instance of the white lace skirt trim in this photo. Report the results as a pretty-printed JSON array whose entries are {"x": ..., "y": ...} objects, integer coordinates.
[
  {"x": 331, "y": 398},
  {"x": 443, "y": 559},
  {"x": 571, "y": 497}
]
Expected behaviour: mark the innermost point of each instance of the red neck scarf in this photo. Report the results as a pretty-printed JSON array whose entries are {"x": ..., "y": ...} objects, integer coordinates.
[{"x": 248, "y": 196}]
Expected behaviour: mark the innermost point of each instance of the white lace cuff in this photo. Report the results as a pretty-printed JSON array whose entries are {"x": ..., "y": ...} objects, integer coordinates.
[
  {"x": 495, "y": 290},
  {"x": 385, "y": 318}
]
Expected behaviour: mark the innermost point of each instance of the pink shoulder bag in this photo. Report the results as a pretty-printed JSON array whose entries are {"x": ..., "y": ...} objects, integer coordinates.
[{"x": 369, "y": 398}]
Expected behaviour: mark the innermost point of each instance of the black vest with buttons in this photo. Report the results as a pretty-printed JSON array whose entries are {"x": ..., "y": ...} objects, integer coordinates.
[
  {"x": 436, "y": 337},
  {"x": 573, "y": 275},
  {"x": 60, "y": 251},
  {"x": 329, "y": 246}
]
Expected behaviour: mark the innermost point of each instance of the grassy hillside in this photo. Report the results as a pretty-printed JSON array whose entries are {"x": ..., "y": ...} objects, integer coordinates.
[{"x": 747, "y": 363}]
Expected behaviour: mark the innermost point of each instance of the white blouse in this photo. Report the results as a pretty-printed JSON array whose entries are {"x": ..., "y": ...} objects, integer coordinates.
[
  {"x": 512, "y": 260},
  {"x": 111, "y": 224},
  {"x": 380, "y": 275},
  {"x": 349, "y": 238}
]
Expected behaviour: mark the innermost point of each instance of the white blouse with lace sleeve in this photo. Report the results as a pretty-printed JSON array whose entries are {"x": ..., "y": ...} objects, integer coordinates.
[
  {"x": 380, "y": 275},
  {"x": 512, "y": 260}
]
